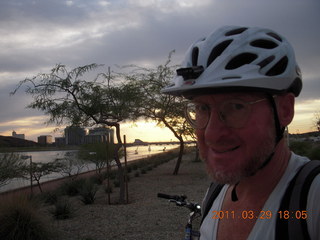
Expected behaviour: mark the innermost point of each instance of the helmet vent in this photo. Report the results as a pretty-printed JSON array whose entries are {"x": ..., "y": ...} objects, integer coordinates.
[
  {"x": 275, "y": 36},
  {"x": 195, "y": 54},
  {"x": 279, "y": 67},
  {"x": 240, "y": 60},
  {"x": 217, "y": 50},
  {"x": 235, "y": 31},
  {"x": 262, "y": 43},
  {"x": 266, "y": 61}
]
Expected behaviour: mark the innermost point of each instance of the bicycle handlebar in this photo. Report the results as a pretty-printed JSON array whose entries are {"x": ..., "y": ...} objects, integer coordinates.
[
  {"x": 181, "y": 198},
  {"x": 181, "y": 201}
]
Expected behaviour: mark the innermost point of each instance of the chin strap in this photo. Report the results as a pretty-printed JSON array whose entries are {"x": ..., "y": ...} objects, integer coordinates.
[
  {"x": 279, "y": 129},
  {"x": 234, "y": 196},
  {"x": 279, "y": 136}
]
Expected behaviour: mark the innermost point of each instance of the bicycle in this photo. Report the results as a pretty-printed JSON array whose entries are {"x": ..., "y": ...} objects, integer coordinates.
[{"x": 195, "y": 212}]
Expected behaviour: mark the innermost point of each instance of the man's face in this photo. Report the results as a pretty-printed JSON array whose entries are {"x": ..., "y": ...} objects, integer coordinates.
[{"x": 235, "y": 153}]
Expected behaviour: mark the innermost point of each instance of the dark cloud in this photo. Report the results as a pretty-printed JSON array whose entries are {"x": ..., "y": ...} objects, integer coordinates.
[{"x": 37, "y": 34}]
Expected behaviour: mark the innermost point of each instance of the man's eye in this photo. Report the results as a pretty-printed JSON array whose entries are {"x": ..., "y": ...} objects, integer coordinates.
[
  {"x": 202, "y": 108},
  {"x": 238, "y": 106}
]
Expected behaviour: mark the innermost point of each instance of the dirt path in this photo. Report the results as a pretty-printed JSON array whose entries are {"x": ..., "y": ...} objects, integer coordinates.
[{"x": 146, "y": 217}]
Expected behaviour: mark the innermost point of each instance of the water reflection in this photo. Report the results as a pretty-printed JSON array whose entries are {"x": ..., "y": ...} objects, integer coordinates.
[{"x": 133, "y": 153}]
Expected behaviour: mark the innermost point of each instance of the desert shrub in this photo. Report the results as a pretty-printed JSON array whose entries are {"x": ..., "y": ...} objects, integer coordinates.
[
  {"x": 108, "y": 189},
  {"x": 20, "y": 218},
  {"x": 116, "y": 183},
  {"x": 98, "y": 178},
  {"x": 137, "y": 174},
  {"x": 300, "y": 148},
  {"x": 314, "y": 153},
  {"x": 129, "y": 169},
  {"x": 88, "y": 192},
  {"x": 62, "y": 209},
  {"x": 72, "y": 188},
  {"x": 48, "y": 197}
]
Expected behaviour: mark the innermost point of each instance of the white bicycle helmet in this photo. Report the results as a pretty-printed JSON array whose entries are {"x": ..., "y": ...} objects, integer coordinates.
[{"x": 233, "y": 58}]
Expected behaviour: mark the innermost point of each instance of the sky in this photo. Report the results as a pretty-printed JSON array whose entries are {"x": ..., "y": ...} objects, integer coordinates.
[{"x": 38, "y": 34}]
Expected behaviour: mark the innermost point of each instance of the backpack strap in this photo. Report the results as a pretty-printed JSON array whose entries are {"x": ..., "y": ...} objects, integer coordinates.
[
  {"x": 295, "y": 200},
  {"x": 211, "y": 195}
]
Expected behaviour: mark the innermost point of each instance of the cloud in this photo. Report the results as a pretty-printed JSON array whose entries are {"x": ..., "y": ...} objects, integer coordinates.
[{"x": 38, "y": 34}]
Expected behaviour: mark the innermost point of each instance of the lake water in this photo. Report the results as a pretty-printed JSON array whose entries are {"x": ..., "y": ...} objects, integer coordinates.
[{"x": 133, "y": 153}]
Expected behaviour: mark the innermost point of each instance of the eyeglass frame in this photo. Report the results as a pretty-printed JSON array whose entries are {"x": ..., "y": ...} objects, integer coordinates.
[{"x": 191, "y": 122}]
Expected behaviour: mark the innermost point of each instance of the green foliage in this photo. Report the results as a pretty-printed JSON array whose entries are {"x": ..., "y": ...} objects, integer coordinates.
[
  {"x": 20, "y": 219},
  {"x": 71, "y": 164},
  {"x": 166, "y": 110},
  {"x": 65, "y": 97},
  {"x": 300, "y": 148},
  {"x": 88, "y": 192},
  {"x": 314, "y": 153},
  {"x": 97, "y": 153},
  {"x": 39, "y": 169},
  {"x": 62, "y": 209},
  {"x": 308, "y": 149}
]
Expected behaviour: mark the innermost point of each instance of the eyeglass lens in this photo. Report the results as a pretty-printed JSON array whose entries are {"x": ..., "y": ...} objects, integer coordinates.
[{"x": 232, "y": 113}]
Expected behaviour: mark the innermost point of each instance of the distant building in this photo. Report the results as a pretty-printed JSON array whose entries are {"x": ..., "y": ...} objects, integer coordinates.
[
  {"x": 74, "y": 135},
  {"x": 60, "y": 141},
  {"x": 21, "y": 136},
  {"x": 45, "y": 139},
  {"x": 98, "y": 135}
]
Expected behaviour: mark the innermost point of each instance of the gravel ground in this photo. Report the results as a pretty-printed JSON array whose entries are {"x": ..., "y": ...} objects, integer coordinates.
[{"x": 146, "y": 216}]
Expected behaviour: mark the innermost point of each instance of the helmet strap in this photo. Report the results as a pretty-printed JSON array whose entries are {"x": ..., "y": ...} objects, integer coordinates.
[
  {"x": 279, "y": 129},
  {"x": 279, "y": 136}
]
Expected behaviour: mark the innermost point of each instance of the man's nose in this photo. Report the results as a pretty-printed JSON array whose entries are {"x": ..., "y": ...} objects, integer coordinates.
[{"x": 215, "y": 128}]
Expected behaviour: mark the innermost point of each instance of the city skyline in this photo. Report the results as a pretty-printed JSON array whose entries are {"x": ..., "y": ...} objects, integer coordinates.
[{"x": 37, "y": 35}]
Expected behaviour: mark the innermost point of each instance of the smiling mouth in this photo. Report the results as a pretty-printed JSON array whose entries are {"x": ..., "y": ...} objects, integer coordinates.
[{"x": 228, "y": 150}]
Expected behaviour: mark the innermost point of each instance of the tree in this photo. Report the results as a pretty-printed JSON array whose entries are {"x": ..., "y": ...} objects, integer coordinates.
[
  {"x": 67, "y": 98},
  {"x": 38, "y": 170},
  {"x": 167, "y": 110},
  {"x": 317, "y": 121},
  {"x": 71, "y": 165},
  {"x": 11, "y": 166},
  {"x": 99, "y": 154}
]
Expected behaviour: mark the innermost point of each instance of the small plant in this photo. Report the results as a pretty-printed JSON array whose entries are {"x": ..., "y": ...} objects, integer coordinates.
[
  {"x": 137, "y": 174},
  {"x": 20, "y": 219},
  {"x": 98, "y": 179},
  {"x": 143, "y": 171},
  {"x": 116, "y": 183},
  {"x": 108, "y": 189},
  {"x": 62, "y": 209},
  {"x": 88, "y": 192},
  {"x": 48, "y": 197},
  {"x": 72, "y": 188}
]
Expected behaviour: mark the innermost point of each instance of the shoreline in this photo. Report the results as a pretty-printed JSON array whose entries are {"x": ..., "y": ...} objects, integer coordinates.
[{"x": 51, "y": 185}]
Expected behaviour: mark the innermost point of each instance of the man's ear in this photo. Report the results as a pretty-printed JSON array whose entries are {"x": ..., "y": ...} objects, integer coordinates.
[{"x": 285, "y": 107}]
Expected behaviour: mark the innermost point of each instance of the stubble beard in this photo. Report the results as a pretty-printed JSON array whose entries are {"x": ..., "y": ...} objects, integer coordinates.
[{"x": 250, "y": 167}]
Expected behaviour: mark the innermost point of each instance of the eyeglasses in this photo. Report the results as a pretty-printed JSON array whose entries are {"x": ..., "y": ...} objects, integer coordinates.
[{"x": 233, "y": 113}]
